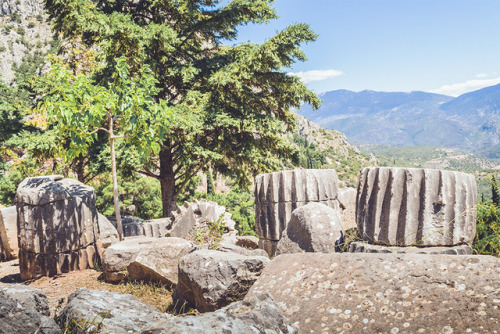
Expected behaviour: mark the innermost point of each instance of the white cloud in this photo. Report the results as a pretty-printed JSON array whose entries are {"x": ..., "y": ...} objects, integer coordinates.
[
  {"x": 317, "y": 75},
  {"x": 465, "y": 87},
  {"x": 482, "y": 75}
]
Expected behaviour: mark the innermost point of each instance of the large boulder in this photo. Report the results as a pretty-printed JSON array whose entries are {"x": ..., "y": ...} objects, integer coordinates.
[
  {"x": 25, "y": 310},
  {"x": 363, "y": 247},
  {"x": 230, "y": 248},
  {"x": 8, "y": 232},
  {"x": 159, "y": 260},
  {"x": 117, "y": 257},
  {"x": 259, "y": 314},
  {"x": 107, "y": 232},
  {"x": 57, "y": 224},
  {"x": 313, "y": 227},
  {"x": 409, "y": 206},
  {"x": 278, "y": 194},
  {"x": 209, "y": 279},
  {"x": 370, "y": 293},
  {"x": 100, "y": 311}
]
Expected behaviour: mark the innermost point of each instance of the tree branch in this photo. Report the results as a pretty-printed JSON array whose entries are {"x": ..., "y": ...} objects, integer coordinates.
[{"x": 96, "y": 130}]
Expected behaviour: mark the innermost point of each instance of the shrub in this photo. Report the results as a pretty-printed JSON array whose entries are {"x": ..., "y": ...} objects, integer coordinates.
[{"x": 487, "y": 241}]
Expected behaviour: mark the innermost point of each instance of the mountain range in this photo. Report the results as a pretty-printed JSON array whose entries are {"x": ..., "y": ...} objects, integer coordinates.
[{"x": 470, "y": 122}]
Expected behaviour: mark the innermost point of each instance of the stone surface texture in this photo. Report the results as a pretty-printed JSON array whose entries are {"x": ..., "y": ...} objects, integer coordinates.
[
  {"x": 230, "y": 248},
  {"x": 278, "y": 194},
  {"x": 363, "y": 247},
  {"x": 159, "y": 260},
  {"x": 8, "y": 232},
  {"x": 117, "y": 257},
  {"x": 209, "y": 279},
  {"x": 347, "y": 206},
  {"x": 119, "y": 313},
  {"x": 25, "y": 310},
  {"x": 133, "y": 226},
  {"x": 388, "y": 293},
  {"x": 259, "y": 314},
  {"x": 107, "y": 232},
  {"x": 57, "y": 224},
  {"x": 409, "y": 206},
  {"x": 249, "y": 242},
  {"x": 196, "y": 216},
  {"x": 313, "y": 227}
]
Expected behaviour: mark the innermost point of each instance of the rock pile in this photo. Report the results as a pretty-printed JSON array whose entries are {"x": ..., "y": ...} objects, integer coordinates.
[{"x": 57, "y": 226}]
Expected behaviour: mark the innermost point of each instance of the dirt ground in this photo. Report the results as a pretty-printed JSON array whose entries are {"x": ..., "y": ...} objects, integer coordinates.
[{"x": 59, "y": 288}]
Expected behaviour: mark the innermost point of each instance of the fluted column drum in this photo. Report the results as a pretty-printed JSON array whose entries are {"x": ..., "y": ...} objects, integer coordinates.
[
  {"x": 278, "y": 194},
  {"x": 410, "y": 206}
]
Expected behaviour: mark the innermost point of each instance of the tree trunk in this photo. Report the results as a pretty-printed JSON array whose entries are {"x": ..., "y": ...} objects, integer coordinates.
[
  {"x": 167, "y": 182},
  {"x": 119, "y": 227}
]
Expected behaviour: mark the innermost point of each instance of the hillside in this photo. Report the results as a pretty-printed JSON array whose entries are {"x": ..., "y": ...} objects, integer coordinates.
[{"x": 469, "y": 122}]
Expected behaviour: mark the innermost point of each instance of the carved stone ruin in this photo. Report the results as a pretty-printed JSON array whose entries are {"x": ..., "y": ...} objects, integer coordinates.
[
  {"x": 409, "y": 206},
  {"x": 57, "y": 224},
  {"x": 278, "y": 194}
]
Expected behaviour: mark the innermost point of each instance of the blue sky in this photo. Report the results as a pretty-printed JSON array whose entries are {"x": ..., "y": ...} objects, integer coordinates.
[{"x": 443, "y": 46}]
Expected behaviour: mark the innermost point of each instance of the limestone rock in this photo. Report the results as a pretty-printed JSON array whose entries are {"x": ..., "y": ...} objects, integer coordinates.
[
  {"x": 363, "y": 247},
  {"x": 259, "y": 314},
  {"x": 249, "y": 242},
  {"x": 107, "y": 232},
  {"x": 119, "y": 313},
  {"x": 313, "y": 227},
  {"x": 369, "y": 293},
  {"x": 22, "y": 7},
  {"x": 196, "y": 216},
  {"x": 117, "y": 257},
  {"x": 278, "y": 194},
  {"x": 209, "y": 280},
  {"x": 57, "y": 226},
  {"x": 230, "y": 248},
  {"x": 408, "y": 206},
  {"x": 159, "y": 260},
  {"x": 347, "y": 204},
  {"x": 133, "y": 226},
  {"x": 8, "y": 232},
  {"x": 25, "y": 310}
]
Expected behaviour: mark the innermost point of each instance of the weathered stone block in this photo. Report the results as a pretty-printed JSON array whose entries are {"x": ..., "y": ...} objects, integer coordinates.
[
  {"x": 8, "y": 232},
  {"x": 278, "y": 194},
  {"x": 384, "y": 293},
  {"x": 409, "y": 206},
  {"x": 363, "y": 247},
  {"x": 57, "y": 224},
  {"x": 313, "y": 227}
]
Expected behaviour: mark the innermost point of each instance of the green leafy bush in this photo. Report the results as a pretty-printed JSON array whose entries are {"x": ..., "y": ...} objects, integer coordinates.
[{"x": 487, "y": 241}]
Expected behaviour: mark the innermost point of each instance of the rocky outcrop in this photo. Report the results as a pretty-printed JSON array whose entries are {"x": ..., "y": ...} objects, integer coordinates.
[
  {"x": 209, "y": 279},
  {"x": 22, "y": 7},
  {"x": 408, "y": 206},
  {"x": 278, "y": 194},
  {"x": 107, "y": 232},
  {"x": 57, "y": 224},
  {"x": 24, "y": 309},
  {"x": 370, "y": 293},
  {"x": 363, "y": 247},
  {"x": 8, "y": 232},
  {"x": 313, "y": 227},
  {"x": 256, "y": 315},
  {"x": 100, "y": 311},
  {"x": 117, "y": 257},
  {"x": 159, "y": 260}
]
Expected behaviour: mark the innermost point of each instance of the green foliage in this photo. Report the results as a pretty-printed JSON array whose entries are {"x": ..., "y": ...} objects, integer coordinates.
[
  {"x": 309, "y": 156},
  {"x": 487, "y": 241},
  {"x": 20, "y": 30},
  {"x": 139, "y": 196},
  {"x": 31, "y": 25},
  {"x": 213, "y": 235},
  {"x": 230, "y": 104},
  {"x": 15, "y": 17},
  {"x": 240, "y": 204},
  {"x": 495, "y": 191},
  {"x": 210, "y": 184}
]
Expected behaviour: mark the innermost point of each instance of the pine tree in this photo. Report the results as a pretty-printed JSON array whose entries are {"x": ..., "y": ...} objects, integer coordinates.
[
  {"x": 230, "y": 104},
  {"x": 495, "y": 190}
]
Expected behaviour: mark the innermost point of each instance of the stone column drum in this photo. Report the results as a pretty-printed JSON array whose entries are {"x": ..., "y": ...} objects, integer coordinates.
[
  {"x": 57, "y": 224},
  {"x": 278, "y": 194},
  {"x": 409, "y": 206}
]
